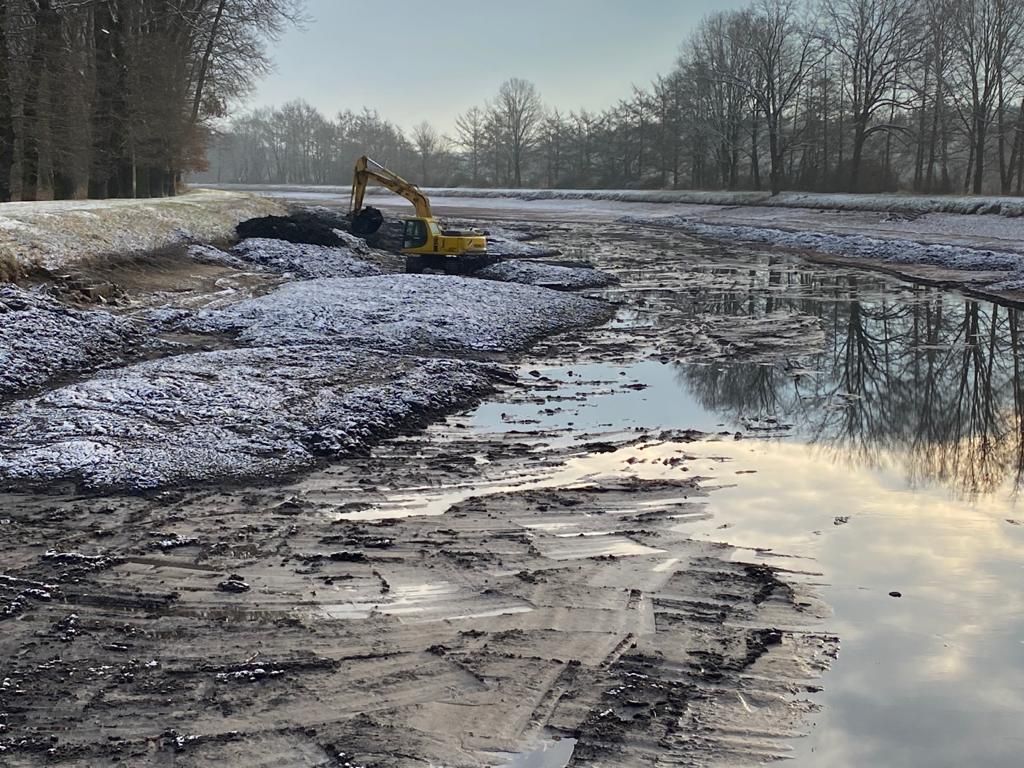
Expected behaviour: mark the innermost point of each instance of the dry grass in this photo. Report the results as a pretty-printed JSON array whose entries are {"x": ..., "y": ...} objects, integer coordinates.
[
  {"x": 10, "y": 270},
  {"x": 57, "y": 234}
]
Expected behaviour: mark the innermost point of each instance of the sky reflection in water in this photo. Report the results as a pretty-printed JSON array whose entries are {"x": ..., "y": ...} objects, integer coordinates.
[{"x": 908, "y": 423}]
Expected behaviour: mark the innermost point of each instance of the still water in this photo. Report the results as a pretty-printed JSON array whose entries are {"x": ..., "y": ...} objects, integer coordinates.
[{"x": 891, "y": 458}]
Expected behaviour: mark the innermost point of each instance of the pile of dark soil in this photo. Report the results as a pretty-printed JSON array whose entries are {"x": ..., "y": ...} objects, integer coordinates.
[
  {"x": 316, "y": 226},
  {"x": 300, "y": 227}
]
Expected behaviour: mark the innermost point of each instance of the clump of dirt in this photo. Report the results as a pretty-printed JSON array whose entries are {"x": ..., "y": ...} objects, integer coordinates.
[{"x": 299, "y": 227}]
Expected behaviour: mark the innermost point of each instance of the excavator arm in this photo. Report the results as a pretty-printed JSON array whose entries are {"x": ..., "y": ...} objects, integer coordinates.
[{"x": 366, "y": 169}]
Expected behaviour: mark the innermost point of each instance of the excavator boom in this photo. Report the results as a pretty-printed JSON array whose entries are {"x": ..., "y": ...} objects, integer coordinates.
[{"x": 367, "y": 169}]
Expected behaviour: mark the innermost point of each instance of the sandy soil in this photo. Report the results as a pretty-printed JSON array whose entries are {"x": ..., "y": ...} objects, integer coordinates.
[{"x": 454, "y": 597}]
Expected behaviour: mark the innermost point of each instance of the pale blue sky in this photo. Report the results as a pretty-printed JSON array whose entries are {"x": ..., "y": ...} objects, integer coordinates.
[{"x": 432, "y": 59}]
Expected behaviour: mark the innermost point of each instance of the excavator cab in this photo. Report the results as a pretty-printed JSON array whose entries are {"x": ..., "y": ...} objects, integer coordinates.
[{"x": 415, "y": 235}]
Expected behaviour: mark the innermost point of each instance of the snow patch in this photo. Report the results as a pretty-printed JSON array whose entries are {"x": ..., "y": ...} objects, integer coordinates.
[
  {"x": 304, "y": 261},
  {"x": 423, "y": 314},
  {"x": 547, "y": 275},
  {"x": 42, "y": 340},
  {"x": 226, "y": 414}
]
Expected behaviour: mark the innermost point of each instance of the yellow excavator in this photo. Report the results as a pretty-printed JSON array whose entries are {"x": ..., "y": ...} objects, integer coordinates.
[{"x": 425, "y": 243}]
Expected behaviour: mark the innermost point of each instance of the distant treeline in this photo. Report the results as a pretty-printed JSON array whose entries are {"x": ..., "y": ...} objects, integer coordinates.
[
  {"x": 112, "y": 98},
  {"x": 827, "y": 95}
]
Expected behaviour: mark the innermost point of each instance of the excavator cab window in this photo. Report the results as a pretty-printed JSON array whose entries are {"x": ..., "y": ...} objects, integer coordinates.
[{"x": 415, "y": 233}]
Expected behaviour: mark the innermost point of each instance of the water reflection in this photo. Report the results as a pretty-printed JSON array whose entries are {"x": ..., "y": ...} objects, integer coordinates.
[{"x": 931, "y": 377}]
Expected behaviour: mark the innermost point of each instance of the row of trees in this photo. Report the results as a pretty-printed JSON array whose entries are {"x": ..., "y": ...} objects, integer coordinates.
[
  {"x": 814, "y": 94},
  {"x": 297, "y": 144},
  {"x": 113, "y": 98}
]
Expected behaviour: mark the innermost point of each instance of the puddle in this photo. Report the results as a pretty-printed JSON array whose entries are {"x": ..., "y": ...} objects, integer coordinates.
[
  {"x": 555, "y": 753},
  {"x": 421, "y": 602},
  {"x": 886, "y": 453},
  {"x": 891, "y": 459}
]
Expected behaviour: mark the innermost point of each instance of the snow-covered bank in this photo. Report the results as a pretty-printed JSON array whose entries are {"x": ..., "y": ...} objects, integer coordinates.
[
  {"x": 903, "y": 203},
  {"x": 57, "y": 233},
  {"x": 546, "y": 275},
  {"x": 304, "y": 261},
  {"x": 42, "y": 340},
  {"x": 989, "y": 271},
  {"x": 329, "y": 366},
  {"x": 226, "y": 414},
  {"x": 410, "y": 314},
  {"x": 917, "y": 204}
]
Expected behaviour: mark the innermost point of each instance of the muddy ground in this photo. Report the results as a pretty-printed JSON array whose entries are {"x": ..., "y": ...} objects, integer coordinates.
[{"x": 458, "y": 596}]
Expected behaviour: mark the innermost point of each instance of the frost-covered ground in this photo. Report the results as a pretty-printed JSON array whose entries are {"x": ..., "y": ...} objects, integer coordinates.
[
  {"x": 515, "y": 244},
  {"x": 422, "y": 314},
  {"x": 42, "y": 340},
  {"x": 225, "y": 414},
  {"x": 327, "y": 366},
  {"x": 547, "y": 275},
  {"x": 919, "y": 204},
  {"x": 303, "y": 261},
  {"x": 984, "y": 269},
  {"x": 57, "y": 233}
]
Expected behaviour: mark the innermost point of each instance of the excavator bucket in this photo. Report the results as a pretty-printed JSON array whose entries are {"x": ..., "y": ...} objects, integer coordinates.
[{"x": 366, "y": 222}]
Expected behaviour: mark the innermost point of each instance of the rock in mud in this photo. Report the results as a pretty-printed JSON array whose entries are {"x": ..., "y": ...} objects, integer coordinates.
[
  {"x": 238, "y": 413},
  {"x": 412, "y": 314},
  {"x": 546, "y": 275},
  {"x": 42, "y": 340}
]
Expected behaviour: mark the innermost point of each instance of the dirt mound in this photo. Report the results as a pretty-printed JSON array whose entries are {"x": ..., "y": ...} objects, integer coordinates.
[
  {"x": 547, "y": 275},
  {"x": 411, "y": 314},
  {"x": 234, "y": 414},
  {"x": 303, "y": 260},
  {"x": 390, "y": 236},
  {"x": 42, "y": 340},
  {"x": 298, "y": 228}
]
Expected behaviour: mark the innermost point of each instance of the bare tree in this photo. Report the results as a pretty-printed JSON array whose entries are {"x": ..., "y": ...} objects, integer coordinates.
[
  {"x": 6, "y": 115},
  {"x": 783, "y": 52},
  {"x": 429, "y": 143},
  {"x": 471, "y": 130},
  {"x": 878, "y": 40},
  {"x": 986, "y": 39},
  {"x": 519, "y": 106}
]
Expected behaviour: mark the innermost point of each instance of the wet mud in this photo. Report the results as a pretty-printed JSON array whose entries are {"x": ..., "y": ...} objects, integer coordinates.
[{"x": 451, "y": 597}]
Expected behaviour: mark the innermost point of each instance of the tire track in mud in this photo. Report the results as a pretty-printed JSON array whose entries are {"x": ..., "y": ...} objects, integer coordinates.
[
  {"x": 545, "y": 601},
  {"x": 442, "y": 639}
]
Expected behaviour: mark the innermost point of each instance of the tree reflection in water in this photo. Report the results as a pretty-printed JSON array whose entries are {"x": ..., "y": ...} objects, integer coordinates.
[{"x": 912, "y": 375}]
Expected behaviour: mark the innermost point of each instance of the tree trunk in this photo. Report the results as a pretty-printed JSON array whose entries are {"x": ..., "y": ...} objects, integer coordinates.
[
  {"x": 859, "y": 137},
  {"x": 979, "y": 154},
  {"x": 1015, "y": 150},
  {"x": 755, "y": 161},
  {"x": 109, "y": 111},
  {"x": 6, "y": 121},
  {"x": 35, "y": 128},
  {"x": 934, "y": 139},
  {"x": 775, "y": 175},
  {"x": 921, "y": 128}
]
